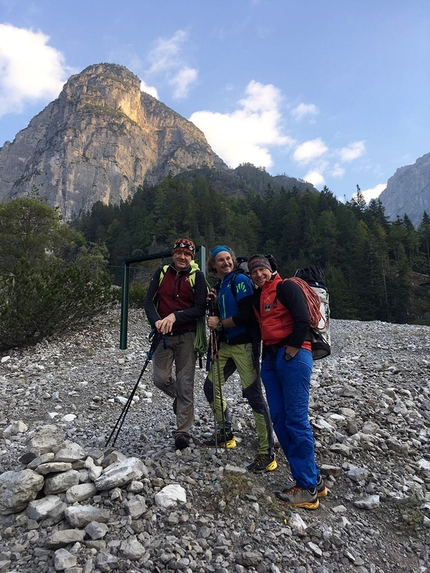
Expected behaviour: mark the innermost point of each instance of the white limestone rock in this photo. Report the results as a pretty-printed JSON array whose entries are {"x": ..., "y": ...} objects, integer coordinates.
[
  {"x": 17, "y": 489},
  {"x": 170, "y": 495},
  {"x": 121, "y": 473}
]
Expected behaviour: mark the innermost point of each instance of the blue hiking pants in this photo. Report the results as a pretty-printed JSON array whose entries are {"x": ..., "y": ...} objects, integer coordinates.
[{"x": 287, "y": 386}]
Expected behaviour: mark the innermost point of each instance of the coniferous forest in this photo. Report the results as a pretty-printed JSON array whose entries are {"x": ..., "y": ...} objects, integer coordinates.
[{"x": 375, "y": 269}]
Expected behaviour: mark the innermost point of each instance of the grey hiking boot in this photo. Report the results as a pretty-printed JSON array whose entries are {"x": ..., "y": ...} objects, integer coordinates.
[
  {"x": 299, "y": 497},
  {"x": 263, "y": 463},
  {"x": 322, "y": 490}
]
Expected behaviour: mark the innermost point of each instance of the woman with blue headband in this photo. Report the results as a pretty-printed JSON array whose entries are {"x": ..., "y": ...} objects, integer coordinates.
[{"x": 232, "y": 321}]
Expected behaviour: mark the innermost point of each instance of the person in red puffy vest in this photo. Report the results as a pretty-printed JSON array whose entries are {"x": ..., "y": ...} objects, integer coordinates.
[{"x": 283, "y": 315}]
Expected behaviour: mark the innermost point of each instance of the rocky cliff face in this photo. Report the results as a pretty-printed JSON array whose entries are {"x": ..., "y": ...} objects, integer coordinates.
[
  {"x": 408, "y": 191},
  {"x": 98, "y": 141}
]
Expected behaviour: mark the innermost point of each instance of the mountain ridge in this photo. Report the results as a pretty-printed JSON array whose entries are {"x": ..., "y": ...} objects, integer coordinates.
[
  {"x": 408, "y": 191},
  {"x": 98, "y": 141},
  {"x": 103, "y": 137}
]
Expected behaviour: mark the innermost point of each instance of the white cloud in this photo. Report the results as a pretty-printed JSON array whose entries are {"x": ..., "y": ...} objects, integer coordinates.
[
  {"x": 246, "y": 134},
  {"x": 315, "y": 177},
  {"x": 182, "y": 82},
  {"x": 374, "y": 192},
  {"x": 148, "y": 89},
  {"x": 166, "y": 59},
  {"x": 303, "y": 110},
  {"x": 31, "y": 70},
  {"x": 261, "y": 98},
  {"x": 353, "y": 151},
  {"x": 337, "y": 171},
  {"x": 310, "y": 150},
  {"x": 165, "y": 55}
]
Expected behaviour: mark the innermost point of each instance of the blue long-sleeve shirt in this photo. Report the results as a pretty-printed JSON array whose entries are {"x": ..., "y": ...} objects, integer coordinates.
[{"x": 237, "y": 305}]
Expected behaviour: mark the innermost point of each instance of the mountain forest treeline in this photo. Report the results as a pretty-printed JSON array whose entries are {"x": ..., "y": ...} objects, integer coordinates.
[{"x": 369, "y": 262}]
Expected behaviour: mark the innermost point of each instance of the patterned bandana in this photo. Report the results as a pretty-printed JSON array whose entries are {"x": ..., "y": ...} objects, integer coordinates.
[{"x": 184, "y": 245}]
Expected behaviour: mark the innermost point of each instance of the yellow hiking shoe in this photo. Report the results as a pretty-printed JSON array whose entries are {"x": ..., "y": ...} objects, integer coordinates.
[
  {"x": 263, "y": 463},
  {"x": 223, "y": 440}
]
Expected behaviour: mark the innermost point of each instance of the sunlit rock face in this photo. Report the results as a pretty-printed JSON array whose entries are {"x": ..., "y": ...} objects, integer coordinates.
[{"x": 100, "y": 140}]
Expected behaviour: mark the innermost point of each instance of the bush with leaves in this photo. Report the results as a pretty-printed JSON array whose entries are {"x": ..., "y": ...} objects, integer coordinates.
[
  {"x": 137, "y": 295},
  {"x": 50, "y": 279}
]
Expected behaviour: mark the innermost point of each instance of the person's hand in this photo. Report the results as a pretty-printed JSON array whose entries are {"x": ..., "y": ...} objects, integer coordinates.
[
  {"x": 165, "y": 325},
  {"x": 213, "y": 322},
  {"x": 212, "y": 297}
]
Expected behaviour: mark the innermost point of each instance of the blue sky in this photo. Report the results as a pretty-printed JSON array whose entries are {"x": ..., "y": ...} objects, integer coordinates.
[{"x": 335, "y": 92}]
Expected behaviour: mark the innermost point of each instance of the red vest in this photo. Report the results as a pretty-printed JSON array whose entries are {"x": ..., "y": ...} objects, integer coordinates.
[
  {"x": 175, "y": 293},
  {"x": 276, "y": 322}
]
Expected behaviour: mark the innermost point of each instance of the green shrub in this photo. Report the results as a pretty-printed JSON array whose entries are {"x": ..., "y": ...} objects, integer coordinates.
[
  {"x": 136, "y": 295},
  {"x": 50, "y": 279}
]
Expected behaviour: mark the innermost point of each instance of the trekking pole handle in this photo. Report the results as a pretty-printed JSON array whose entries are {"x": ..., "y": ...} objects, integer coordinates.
[
  {"x": 154, "y": 338},
  {"x": 212, "y": 305}
]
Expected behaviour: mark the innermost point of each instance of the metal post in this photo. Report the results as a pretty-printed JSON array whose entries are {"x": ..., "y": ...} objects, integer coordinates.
[
  {"x": 201, "y": 258},
  {"x": 124, "y": 305}
]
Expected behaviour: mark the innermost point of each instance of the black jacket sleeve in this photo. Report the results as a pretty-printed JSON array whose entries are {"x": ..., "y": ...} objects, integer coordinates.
[
  {"x": 293, "y": 298},
  {"x": 150, "y": 299},
  {"x": 256, "y": 300},
  {"x": 245, "y": 313}
]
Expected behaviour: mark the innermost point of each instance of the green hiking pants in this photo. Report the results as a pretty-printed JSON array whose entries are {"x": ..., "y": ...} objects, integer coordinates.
[{"x": 239, "y": 357}]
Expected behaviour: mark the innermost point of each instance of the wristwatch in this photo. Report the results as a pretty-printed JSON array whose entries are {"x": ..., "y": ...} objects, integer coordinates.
[
  {"x": 219, "y": 325},
  {"x": 287, "y": 356}
]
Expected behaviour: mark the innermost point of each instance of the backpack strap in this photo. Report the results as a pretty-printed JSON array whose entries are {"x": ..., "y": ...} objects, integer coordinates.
[{"x": 232, "y": 280}]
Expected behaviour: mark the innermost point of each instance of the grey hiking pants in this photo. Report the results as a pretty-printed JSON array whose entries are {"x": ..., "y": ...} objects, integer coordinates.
[{"x": 180, "y": 352}]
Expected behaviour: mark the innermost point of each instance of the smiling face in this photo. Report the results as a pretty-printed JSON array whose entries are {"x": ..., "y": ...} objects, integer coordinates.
[
  {"x": 260, "y": 275},
  {"x": 223, "y": 263},
  {"x": 181, "y": 259}
]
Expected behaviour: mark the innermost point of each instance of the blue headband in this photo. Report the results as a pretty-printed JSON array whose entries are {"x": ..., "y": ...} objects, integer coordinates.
[{"x": 219, "y": 249}]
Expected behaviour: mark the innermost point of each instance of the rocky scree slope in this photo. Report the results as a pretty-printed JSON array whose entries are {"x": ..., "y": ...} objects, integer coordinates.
[{"x": 144, "y": 507}]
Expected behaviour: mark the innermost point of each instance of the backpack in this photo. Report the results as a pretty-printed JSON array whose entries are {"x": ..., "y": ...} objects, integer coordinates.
[
  {"x": 200, "y": 340},
  {"x": 240, "y": 268},
  {"x": 241, "y": 265},
  {"x": 312, "y": 280}
]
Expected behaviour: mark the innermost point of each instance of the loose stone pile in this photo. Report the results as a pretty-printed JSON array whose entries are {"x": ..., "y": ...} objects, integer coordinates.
[{"x": 68, "y": 503}]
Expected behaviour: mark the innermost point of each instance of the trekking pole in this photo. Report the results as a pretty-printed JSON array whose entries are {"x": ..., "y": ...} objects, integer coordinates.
[
  {"x": 212, "y": 343},
  {"x": 220, "y": 392},
  {"x": 154, "y": 337},
  {"x": 215, "y": 356}
]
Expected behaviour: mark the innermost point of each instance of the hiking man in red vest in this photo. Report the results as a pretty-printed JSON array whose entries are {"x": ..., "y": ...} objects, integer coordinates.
[
  {"x": 176, "y": 298},
  {"x": 283, "y": 316}
]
